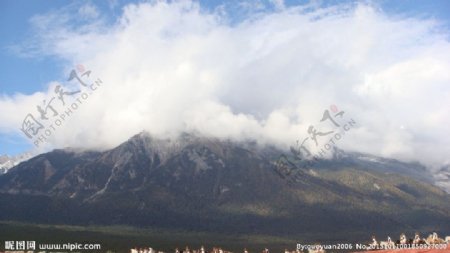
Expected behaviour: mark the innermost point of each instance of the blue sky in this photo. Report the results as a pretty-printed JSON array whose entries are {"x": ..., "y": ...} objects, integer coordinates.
[{"x": 27, "y": 73}]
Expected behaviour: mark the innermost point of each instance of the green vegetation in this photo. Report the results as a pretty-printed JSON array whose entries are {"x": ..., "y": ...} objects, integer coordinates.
[{"x": 122, "y": 238}]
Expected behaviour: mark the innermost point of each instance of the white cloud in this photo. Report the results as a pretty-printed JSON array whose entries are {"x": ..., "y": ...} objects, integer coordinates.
[
  {"x": 172, "y": 67},
  {"x": 88, "y": 11},
  {"x": 279, "y": 4}
]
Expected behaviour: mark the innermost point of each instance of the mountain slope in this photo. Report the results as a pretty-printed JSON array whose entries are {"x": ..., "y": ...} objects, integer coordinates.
[{"x": 211, "y": 185}]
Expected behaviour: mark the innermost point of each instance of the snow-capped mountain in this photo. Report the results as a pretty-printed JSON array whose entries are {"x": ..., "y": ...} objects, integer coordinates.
[
  {"x": 7, "y": 162},
  {"x": 206, "y": 184}
]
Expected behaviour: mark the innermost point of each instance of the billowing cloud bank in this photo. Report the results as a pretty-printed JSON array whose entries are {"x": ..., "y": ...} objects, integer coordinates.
[{"x": 173, "y": 67}]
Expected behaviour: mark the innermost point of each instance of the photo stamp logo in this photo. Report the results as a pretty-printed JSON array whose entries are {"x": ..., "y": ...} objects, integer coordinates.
[
  {"x": 39, "y": 125},
  {"x": 20, "y": 245},
  {"x": 321, "y": 140}
]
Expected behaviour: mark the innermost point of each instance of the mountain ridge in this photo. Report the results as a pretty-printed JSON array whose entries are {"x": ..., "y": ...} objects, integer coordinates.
[{"x": 208, "y": 184}]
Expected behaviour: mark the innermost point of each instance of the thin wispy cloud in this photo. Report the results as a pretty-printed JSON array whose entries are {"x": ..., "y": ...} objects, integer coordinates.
[{"x": 177, "y": 67}]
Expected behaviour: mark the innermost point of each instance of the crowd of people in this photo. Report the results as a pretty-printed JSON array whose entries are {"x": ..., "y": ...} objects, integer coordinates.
[
  {"x": 186, "y": 250},
  {"x": 417, "y": 240},
  {"x": 373, "y": 245}
]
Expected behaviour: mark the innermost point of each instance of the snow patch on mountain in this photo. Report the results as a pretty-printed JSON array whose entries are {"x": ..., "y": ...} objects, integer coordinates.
[
  {"x": 442, "y": 178},
  {"x": 7, "y": 162}
]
